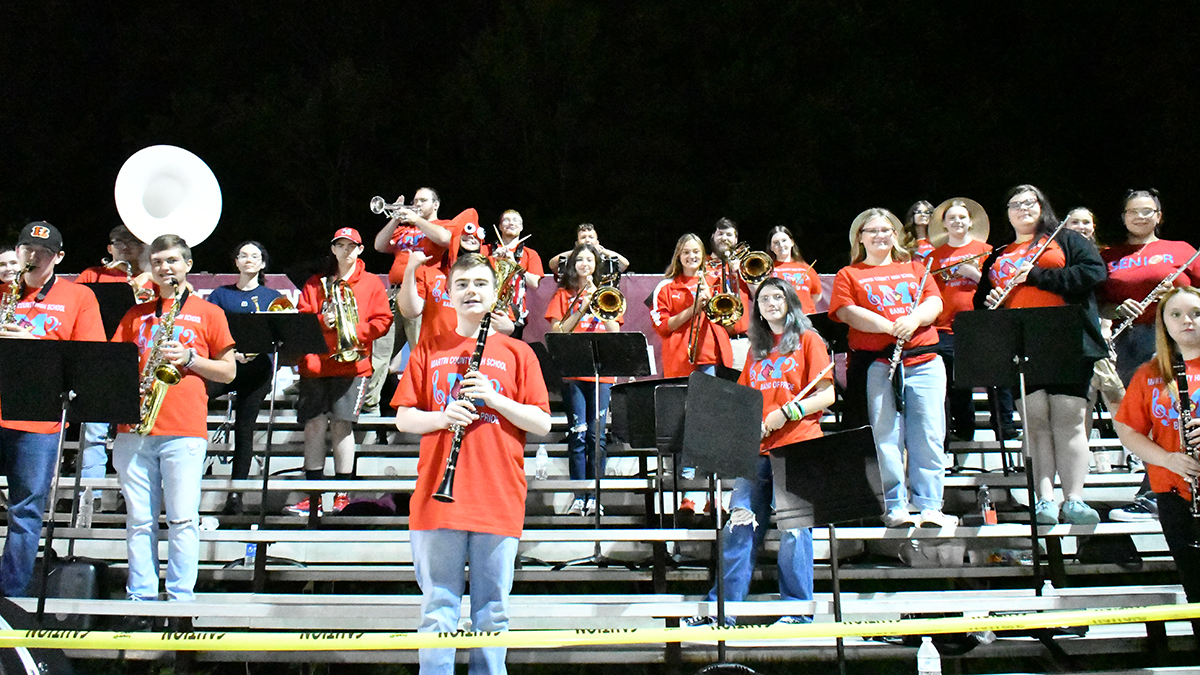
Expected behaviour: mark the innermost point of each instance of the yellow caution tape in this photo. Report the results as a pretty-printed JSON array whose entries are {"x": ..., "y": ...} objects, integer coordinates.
[{"x": 364, "y": 641}]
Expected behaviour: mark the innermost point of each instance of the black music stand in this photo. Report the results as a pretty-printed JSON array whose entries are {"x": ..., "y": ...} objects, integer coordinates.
[
  {"x": 291, "y": 335},
  {"x": 598, "y": 355},
  {"x": 638, "y": 421},
  {"x": 66, "y": 381},
  {"x": 828, "y": 480},
  {"x": 116, "y": 299},
  {"x": 722, "y": 429},
  {"x": 1036, "y": 346}
]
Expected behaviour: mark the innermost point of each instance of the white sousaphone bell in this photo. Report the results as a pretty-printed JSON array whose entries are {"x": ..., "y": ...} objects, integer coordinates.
[{"x": 164, "y": 189}]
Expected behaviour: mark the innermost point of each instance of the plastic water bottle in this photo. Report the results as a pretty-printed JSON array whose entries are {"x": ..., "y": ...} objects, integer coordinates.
[
  {"x": 541, "y": 464},
  {"x": 251, "y": 549},
  {"x": 987, "y": 507},
  {"x": 1048, "y": 589},
  {"x": 929, "y": 662},
  {"x": 86, "y": 509}
]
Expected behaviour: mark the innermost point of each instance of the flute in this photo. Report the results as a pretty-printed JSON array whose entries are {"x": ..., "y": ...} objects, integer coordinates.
[
  {"x": 1152, "y": 297},
  {"x": 898, "y": 352},
  {"x": 1012, "y": 283}
]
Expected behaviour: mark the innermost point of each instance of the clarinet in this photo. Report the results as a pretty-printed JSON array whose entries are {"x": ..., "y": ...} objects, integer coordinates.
[
  {"x": 1012, "y": 283},
  {"x": 1152, "y": 297},
  {"x": 508, "y": 275},
  {"x": 1185, "y": 416},
  {"x": 445, "y": 491},
  {"x": 898, "y": 352}
]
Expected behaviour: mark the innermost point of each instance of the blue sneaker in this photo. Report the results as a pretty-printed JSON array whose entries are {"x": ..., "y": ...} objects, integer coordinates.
[
  {"x": 1076, "y": 512},
  {"x": 1047, "y": 512}
]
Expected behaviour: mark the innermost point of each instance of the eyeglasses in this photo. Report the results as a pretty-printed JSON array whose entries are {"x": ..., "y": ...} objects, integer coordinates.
[
  {"x": 922, "y": 213},
  {"x": 121, "y": 243},
  {"x": 1141, "y": 213},
  {"x": 251, "y": 256},
  {"x": 878, "y": 232},
  {"x": 1025, "y": 205}
]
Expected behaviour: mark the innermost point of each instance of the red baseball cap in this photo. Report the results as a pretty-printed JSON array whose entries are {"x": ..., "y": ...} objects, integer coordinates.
[{"x": 348, "y": 233}]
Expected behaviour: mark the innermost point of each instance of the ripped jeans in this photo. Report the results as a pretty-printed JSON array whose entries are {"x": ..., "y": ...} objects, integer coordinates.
[
  {"x": 749, "y": 518},
  {"x": 158, "y": 471},
  {"x": 579, "y": 398}
]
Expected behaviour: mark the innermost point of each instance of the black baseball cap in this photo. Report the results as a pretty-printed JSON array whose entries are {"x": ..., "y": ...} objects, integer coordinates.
[{"x": 41, "y": 233}]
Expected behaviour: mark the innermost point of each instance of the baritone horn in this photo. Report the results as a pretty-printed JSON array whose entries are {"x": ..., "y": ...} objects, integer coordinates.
[
  {"x": 342, "y": 307},
  {"x": 164, "y": 189}
]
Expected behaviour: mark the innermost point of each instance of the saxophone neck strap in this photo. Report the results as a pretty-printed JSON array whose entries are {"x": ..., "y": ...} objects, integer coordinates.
[{"x": 180, "y": 299}]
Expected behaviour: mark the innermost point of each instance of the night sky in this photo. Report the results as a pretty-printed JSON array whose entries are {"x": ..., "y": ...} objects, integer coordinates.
[{"x": 648, "y": 119}]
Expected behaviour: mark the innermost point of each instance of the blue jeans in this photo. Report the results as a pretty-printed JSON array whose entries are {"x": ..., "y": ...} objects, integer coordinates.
[
  {"x": 439, "y": 560},
  {"x": 920, "y": 429},
  {"x": 742, "y": 543},
  {"x": 158, "y": 471},
  {"x": 580, "y": 400},
  {"x": 93, "y": 451},
  {"x": 28, "y": 461}
]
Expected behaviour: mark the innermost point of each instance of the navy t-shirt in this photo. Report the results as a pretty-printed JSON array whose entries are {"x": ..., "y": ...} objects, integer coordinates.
[{"x": 236, "y": 301}]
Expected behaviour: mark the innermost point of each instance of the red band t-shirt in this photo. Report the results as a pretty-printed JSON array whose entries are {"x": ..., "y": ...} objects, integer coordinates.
[
  {"x": 68, "y": 312},
  {"x": 408, "y": 238},
  {"x": 1012, "y": 258},
  {"x": 562, "y": 305},
  {"x": 958, "y": 293},
  {"x": 1149, "y": 409},
  {"x": 674, "y": 296},
  {"x": 887, "y": 290},
  {"x": 780, "y": 377},
  {"x": 490, "y": 488},
  {"x": 803, "y": 278},
  {"x": 1134, "y": 270},
  {"x": 200, "y": 325}
]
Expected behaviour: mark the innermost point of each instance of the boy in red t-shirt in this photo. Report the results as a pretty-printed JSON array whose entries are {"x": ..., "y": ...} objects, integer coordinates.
[
  {"x": 161, "y": 466},
  {"x": 44, "y": 308},
  {"x": 496, "y": 406}
]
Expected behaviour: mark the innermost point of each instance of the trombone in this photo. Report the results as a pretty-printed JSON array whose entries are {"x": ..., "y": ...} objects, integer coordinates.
[
  {"x": 725, "y": 308},
  {"x": 694, "y": 327},
  {"x": 755, "y": 266}
]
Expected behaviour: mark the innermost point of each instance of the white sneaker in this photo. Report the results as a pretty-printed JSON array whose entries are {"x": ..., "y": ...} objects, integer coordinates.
[
  {"x": 933, "y": 518},
  {"x": 591, "y": 507},
  {"x": 899, "y": 517},
  {"x": 576, "y": 508}
]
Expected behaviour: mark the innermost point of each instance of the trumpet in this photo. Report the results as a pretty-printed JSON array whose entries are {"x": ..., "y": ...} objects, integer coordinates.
[
  {"x": 340, "y": 302},
  {"x": 381, "y": 205}
]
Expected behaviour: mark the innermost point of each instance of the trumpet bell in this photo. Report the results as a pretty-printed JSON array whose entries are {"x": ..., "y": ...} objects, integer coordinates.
[{"x": 164, "y": 189}]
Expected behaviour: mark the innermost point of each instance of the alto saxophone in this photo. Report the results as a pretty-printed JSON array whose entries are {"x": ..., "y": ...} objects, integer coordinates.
[
  {"x": 8, "y": 309},
  {"x": 159, "y": 374}
]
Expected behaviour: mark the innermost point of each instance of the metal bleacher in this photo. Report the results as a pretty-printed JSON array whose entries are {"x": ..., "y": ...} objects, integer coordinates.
[{"x": 354, "y": 572}]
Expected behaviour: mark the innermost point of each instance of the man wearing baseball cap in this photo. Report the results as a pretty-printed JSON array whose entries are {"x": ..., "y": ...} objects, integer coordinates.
[
  {"x": 44, "y": 308},
  {"x": 333, "y": 385}
]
